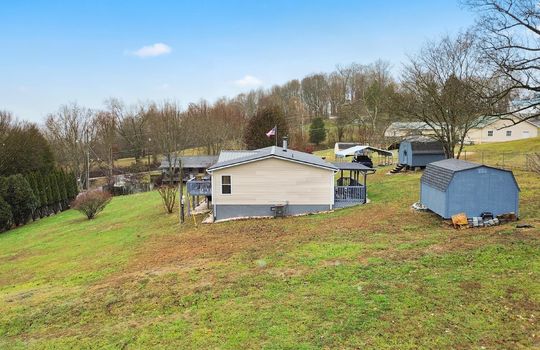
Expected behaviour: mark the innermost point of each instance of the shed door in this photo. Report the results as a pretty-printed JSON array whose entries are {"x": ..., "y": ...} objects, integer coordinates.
[{"x": 405, "y": 156}]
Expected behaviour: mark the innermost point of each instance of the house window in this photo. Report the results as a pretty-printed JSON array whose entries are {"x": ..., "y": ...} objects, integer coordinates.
[
  {"x": 226, "y": 184},
  {"x": 490, "y": 132},
  {"x": 525, "y": 133},
  {"x": 508, "y": 132}
]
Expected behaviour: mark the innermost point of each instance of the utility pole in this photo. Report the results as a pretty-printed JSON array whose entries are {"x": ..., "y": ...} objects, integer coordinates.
[{"x": 87, "y": 140}]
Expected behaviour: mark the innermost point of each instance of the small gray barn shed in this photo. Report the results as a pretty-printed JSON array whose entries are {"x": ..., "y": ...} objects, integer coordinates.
[
  {"x": 453, "y": 186},
  {"x": 420, "y": 151}
]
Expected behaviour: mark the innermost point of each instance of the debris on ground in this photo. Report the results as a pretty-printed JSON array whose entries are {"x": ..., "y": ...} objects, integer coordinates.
[
  {"x": 460, "y": 221},
  {"x": 486, "y": 219},
  {"x": 508, "y": 217},
  {"x": 419, "y": 206},
  {"x": 524, "y": 226}
]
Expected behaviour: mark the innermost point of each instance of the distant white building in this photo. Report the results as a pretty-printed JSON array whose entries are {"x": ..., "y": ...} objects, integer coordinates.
[
  {"x": 488, "y": 130},
  {"x": 498, "y": 130},
  {"x": 404, "y": 129}
]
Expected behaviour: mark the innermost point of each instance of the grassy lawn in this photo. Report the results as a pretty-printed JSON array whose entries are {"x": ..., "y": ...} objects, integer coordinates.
[
  {"x": 377, "y": 276},
  {"x": 510, "y": 155}
]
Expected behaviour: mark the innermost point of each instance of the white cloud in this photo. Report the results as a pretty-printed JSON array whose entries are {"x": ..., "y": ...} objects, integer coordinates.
[
  {"x": 248, "y": 81},
  {"x": 154, "y": 50}
]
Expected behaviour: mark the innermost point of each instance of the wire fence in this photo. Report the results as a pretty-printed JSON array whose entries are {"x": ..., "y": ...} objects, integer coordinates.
[{"x": 526, "y": 161}]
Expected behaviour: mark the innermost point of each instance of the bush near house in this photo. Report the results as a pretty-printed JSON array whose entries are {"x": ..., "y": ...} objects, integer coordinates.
[{"x": 90, "y": 203}]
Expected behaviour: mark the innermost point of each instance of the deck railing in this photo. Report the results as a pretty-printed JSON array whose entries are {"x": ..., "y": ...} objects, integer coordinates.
[
  {"x": 350, "y": 194},
  {"x": 199, "y": 188}
]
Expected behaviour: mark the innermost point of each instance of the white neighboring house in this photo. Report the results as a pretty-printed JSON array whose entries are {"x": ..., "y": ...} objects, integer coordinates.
[
  {"x": 497, "y": 130},
  {"x": 489, "y": 130},
  {"x": 404, "y": 129}
]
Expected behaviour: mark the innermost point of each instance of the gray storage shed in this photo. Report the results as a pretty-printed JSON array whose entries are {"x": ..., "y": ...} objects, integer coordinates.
[
  {"x": 453, "y": 186},
  {"x": 420, "y": 151}
]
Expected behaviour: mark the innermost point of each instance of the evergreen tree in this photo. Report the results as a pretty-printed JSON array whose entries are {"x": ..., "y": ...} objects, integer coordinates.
[
  {"x": 74, "y": 186},
  {"x": 18, "y": 194},
  {"x": 42, "y": 190},
  {"x": 31, "y": 178},
  {"x": 317, "y": 131},
  {"x": 55, "y": 192},
  {"x": 62, "y": 186},
  {"x": 6, "y": 218}
]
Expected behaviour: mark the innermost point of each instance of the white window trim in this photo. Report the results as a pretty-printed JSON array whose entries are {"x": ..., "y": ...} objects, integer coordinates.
[
  {"x": 221, "y": 185},
  {"x": 490, "y": 133},
  {"x": 508, "y": 131}
]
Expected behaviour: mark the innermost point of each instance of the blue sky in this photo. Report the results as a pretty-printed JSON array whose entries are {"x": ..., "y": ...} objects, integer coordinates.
[{"x": 55, "y": 52}]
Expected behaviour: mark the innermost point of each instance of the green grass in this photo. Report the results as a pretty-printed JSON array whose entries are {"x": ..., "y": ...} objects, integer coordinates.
[
  {"x": 377, "y": 276},
  {"x": 510, "y": 155}
]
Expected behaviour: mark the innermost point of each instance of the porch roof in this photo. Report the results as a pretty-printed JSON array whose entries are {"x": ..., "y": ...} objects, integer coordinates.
[{"x": 353, "y": 166}]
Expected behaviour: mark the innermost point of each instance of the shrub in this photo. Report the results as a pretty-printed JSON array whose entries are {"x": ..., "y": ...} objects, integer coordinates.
[
  {"x": 168, "y": 195},
  {"x": 6, "y": 219},
  {"x": 90, "y": 203}
]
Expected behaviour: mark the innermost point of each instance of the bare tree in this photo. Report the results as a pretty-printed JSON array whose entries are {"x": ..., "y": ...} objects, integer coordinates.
[
  {"x": 510, "y": 42},
  {"x": 445, "y": 86},
  {"x": 68, "y": 131},
  {"x": 315, "y": 94},
  {"x": 166, "y": 132},
  {"x": 376, "y": 95}
]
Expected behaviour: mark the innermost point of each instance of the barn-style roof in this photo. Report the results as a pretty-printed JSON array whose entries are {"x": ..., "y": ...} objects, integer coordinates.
[
  {"x": 425, "y": 145},
  {"x": 439, "y": 174},
  {"x": 190, "y": 162},
  {"x": 270, "y": 152}
]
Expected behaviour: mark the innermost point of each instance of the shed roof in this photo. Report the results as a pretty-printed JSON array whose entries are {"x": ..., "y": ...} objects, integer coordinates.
[
  {"x": 271, "y": 152},
  {"x": 439, "y": 174},
  {"x": 345, "y": 145},
  {"x": 425, "y": 145},
  {"x": 190, "y": 161},
  {"x": 352, "y": 166},
  {"x": 356, "y": 149}
]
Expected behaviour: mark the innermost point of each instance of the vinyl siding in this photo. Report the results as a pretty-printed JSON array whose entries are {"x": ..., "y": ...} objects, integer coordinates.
[
  {"x": 519, "y": 131},
  {"x": 483, "y": 190},
  {"x": 274, "y": 181}
]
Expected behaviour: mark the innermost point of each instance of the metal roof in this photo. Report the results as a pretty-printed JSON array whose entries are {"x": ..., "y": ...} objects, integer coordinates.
[
  {"x": 356, "y": 149},
  {"x": 425, "y": 145},
  {"x": 352, "y": 166},
  {"x": 230, "y": 155},
  {"x": 190, "y": 161},
  {"x": 439, "y": 174},
  {"x": 274, "y": 152},
  {"x": 345, "y": 145}
]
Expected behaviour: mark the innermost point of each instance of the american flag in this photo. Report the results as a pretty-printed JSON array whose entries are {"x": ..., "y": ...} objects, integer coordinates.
[{"x": 272, "y": 132}]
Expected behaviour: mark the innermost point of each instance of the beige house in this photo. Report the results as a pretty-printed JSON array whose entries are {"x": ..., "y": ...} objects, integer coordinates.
[
  {"x": 275, "y": 181},
  {"x": 488, "y": 130},
  {"x": 497, "y": 130}
]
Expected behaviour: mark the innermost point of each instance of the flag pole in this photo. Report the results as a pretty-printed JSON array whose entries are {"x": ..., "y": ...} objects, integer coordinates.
[{"x": 275, "y": 135}]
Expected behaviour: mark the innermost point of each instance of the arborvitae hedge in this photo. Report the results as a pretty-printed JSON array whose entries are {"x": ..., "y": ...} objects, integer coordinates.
[
  {"x": 55, "y": 192},
  {"x": 31, "y": 178},
  {"x": 18, "y": 194},
  {"x": 6, "y": 218},
  {"x": 73, "y": 185},
  {"x": 62, "y": 186},
  {"x": 42, "y": 193}
]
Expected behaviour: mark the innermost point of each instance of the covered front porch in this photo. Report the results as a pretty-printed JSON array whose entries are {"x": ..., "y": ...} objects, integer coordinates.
[{"x": 350, "y": 187}]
